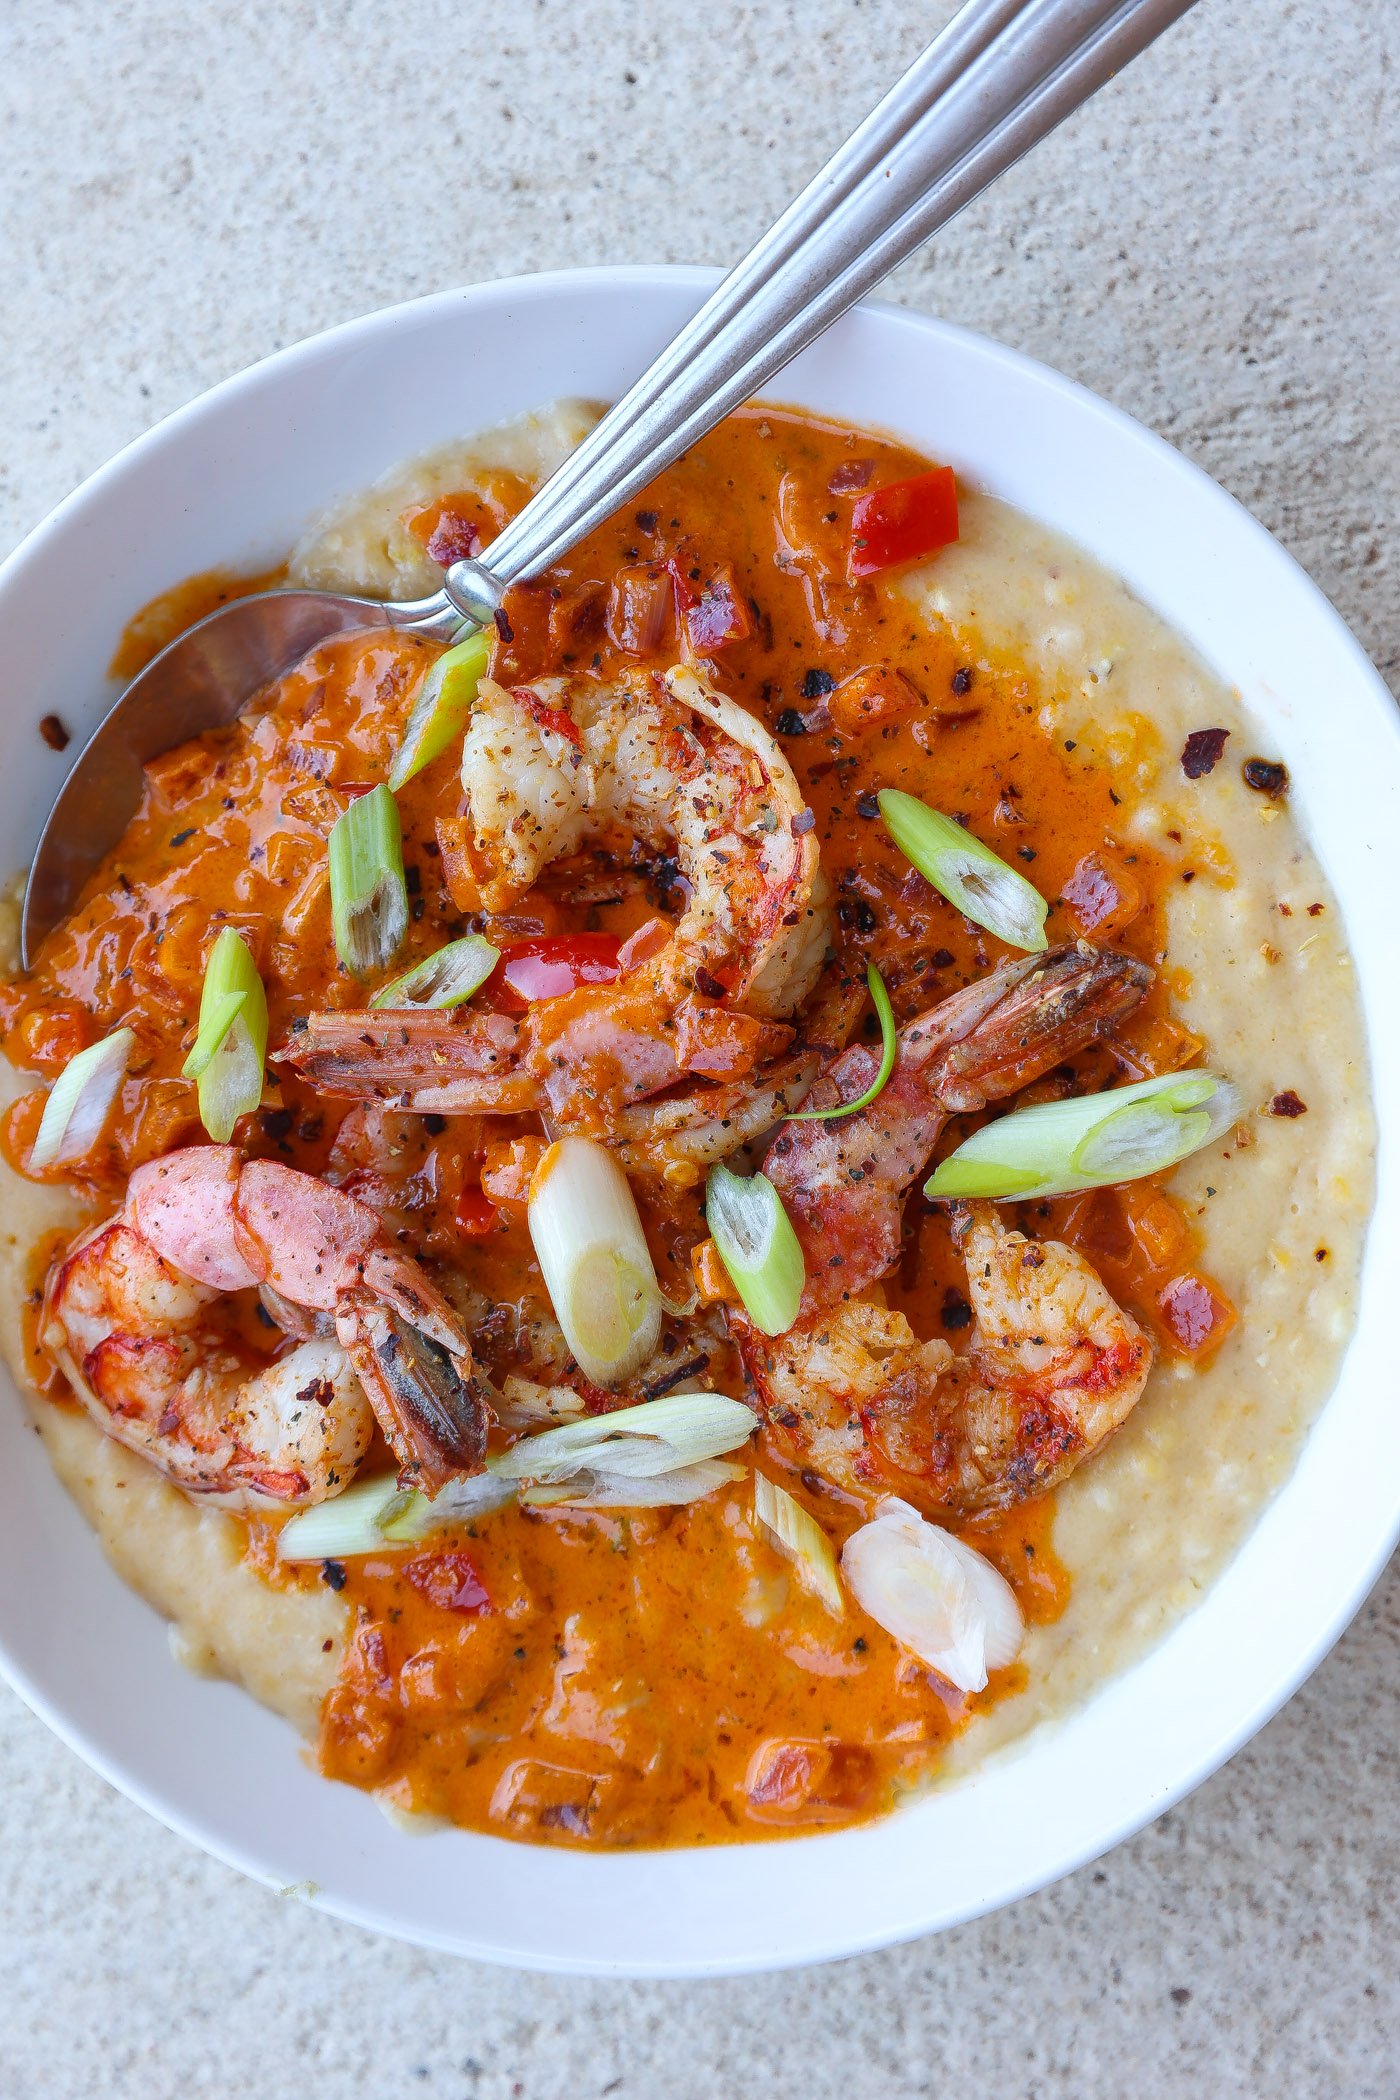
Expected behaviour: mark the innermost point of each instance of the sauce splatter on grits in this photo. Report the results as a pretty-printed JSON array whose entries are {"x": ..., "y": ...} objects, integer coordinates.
[{"x": 650, "y": 1676}]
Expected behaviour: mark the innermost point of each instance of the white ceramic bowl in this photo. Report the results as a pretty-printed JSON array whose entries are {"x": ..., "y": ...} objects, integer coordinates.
[{"x": 232, "y": 479}]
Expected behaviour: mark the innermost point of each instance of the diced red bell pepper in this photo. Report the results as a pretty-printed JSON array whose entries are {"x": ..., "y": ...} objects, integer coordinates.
[
  {"x": 551, "y": 964},
  {"x": 903, "y": 522}
]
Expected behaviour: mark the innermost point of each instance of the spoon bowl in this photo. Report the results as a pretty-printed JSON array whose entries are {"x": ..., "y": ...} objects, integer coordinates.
[{"x": 202, "y": 680}]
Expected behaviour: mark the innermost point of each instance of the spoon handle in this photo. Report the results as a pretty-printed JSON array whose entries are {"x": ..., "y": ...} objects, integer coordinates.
[{"x": 1001, "y": 76}]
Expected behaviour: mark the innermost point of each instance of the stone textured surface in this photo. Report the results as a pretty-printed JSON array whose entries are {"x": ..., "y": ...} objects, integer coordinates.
[{"x": 1211, "y": 245}]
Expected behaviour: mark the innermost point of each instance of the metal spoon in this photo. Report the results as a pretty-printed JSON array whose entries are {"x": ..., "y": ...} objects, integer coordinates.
[{"x": 999, "y": 77}]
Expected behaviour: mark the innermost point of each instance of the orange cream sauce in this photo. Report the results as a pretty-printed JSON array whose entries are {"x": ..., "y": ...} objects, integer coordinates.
[{"x": 653, "y": 1677}]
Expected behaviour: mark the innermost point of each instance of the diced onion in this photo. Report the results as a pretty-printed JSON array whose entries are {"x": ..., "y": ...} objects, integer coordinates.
[
  {"x": 933, "y": 1594},
  {"x": 972, "y": 877},
  {"x": 800, "y": 1538},
  {"x": 889, "y": 1051},
  {"x": 1060, "y": 1146},
  {"x": 440, "y": 711},
  {"x": 80, "y": 1100},
  {"x": 231, "y": 1045},
  {"x": 525, "y": 1404},
  {"x": 369, "y": 897},
  {"x": 635, "y": 1443},
  {"x": 376, "y": 1515},
  {"x": 445, "y": 978},
  {"x": 600, "y": 1490},
  {"x": 594, "y": 1258},
  {"x": 754, "y": 1238}
]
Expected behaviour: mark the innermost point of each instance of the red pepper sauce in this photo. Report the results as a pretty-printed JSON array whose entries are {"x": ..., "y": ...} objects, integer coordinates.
[{"x": 654, "y": 1677}]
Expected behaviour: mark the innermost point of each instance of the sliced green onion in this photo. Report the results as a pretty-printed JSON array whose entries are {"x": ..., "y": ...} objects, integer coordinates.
[
  {"x": 231, "y": 1046},
  {"x": 456, "y": 1502},
  {"x": 440, "y": 712},
  {"x": 369, "y": 897},
  {"x": 755, "y": 1240},
  {"x": 594, "y": 1258},
  {"x": 1061, "y": 1146},
  {"x": 933, "y": 1594},
  {"x": 374, "y": 1515},
  {"x": 889, "y": 1051},
  {"x": 621, "y": 1491},
  {"x": 633, "y": 1443},
  {"x": 80, "y": 1100},
  {"x": 443, "y": 979},
  {"x": 217, "y": 1014},
  {"x": 799, "y": 1538},
  {"x": 966, "y": 872}
]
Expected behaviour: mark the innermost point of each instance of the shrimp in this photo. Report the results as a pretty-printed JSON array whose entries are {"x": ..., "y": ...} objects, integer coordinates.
[
  {"x": 1053, "y": 1367},
  {"x": 136, "y": 1315},
  {"x": 1054, "y": 1364},
  {"x": 141, "y": 1346},
  {"x": 665, "y": 761},
  {"x": 843, "y": 1183}
]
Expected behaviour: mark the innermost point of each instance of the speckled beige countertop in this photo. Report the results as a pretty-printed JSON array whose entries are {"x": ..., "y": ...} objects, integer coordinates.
[{"x": 1213, "y": 246}]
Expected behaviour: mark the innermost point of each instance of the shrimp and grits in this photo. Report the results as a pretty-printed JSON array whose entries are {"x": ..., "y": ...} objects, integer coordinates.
[{"x": 668, "y": 1222}]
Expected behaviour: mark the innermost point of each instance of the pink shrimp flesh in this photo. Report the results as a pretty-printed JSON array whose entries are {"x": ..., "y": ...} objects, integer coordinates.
[{"x": 320, "y": 1257}]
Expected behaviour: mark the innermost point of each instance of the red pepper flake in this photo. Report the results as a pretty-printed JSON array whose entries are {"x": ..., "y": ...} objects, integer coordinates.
[
  {"x": 1287, "y": 1104},
  {"x": 557, "y": 719},
  {"x": 449, "y": 1581},
  {"x": 55, "y": 733},
  {"x": 1267, "y": 776},
  {"x": 1202, "y": 751}
]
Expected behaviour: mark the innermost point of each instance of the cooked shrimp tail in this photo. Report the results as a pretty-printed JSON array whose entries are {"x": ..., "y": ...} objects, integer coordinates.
[
  {"x": 416, "y": 1366},
  {"x": 1044, "y": 1008},
  {"x": 462, "y": 1063}
]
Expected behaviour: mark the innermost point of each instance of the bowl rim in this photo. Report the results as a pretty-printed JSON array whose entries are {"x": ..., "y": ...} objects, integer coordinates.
[{"x": 1212, "y": 1747}]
